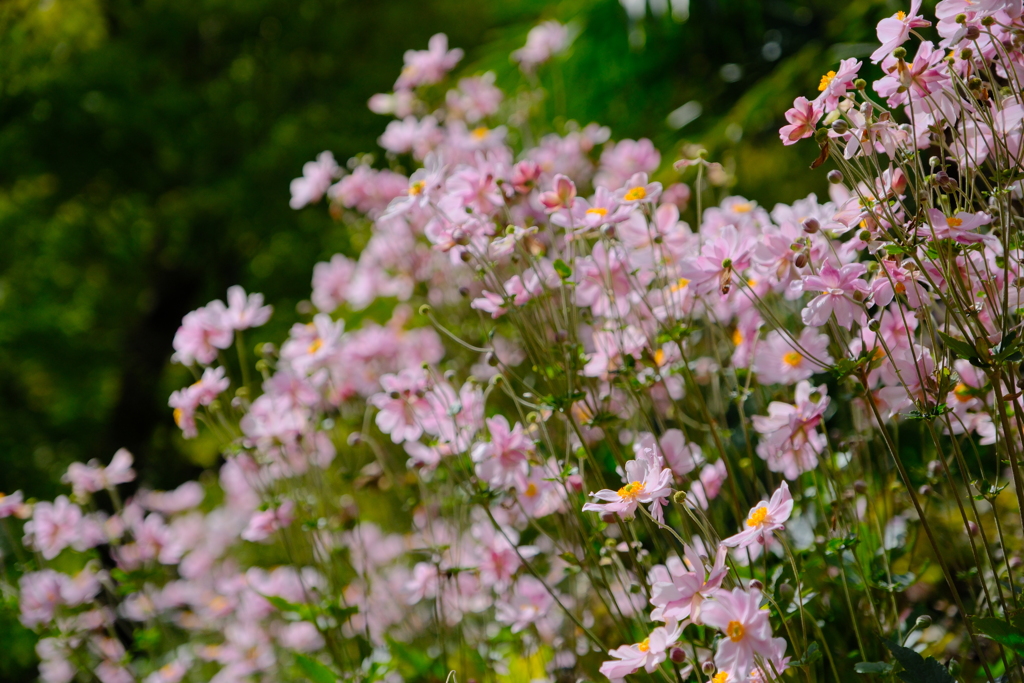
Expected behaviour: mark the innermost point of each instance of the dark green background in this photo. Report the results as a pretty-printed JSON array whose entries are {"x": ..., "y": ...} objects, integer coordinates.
[{"x": 146, "y": 148}]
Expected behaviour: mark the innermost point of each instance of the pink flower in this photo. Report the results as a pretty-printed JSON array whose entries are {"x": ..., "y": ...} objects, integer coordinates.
[
  {"x": 525, "y": 175},
  {"x": 263, "y": 524},
  {"x": 603, "y": 281},
  {"x": 246, "y": 311},
  {"x": 530, "y": 602},
  {"x": 960, "y": 227},
  {"x": 40, "y": 595},
  {"x": 12, "y": 504},
  {"x": 186, "y": 401},
  {"x": 504, "y": 461},
  {"x": 763, "y": 519},
  {"x": 636, "y": 190},
  {"x": 185, "y": 497},
  {"x": 681, "y": 597},
  {"x": 739, "y": 616},
  {"x": 331, "y": 282},
  {"x": 542, "y": 42},
  {"x": 681, "y": 456},
  {"x": 403, "y": 409},
  {"x": 778, "y": 360},
  {"x": 790, "y": 440},
  {"x": 542, "y": 496},
  {"x": 838, "y": 288},
  {"x": 721, "y": 258},
  {"x": 476, "y": 98},
  {"x": 202, "y": 332},
  {"x": 622, "y": 160},
  {"x": 647, "y": 481},
  {"x": 803, "y": 117},
  {"x": 561, "y": 196},
  {"x": 317, "y": 176},
  {"x": 418, "y": 136},
  {"x": 426, "y": 67},
  {"x": 86, "y": 479},
  {"x": 836, "y": 84},
  {"x": 648, "y": 654},
  {"x": 53, "y": 527},
  {"x": 707, "y": 487},
  {"x": 895, "y": 30},
  {"x": 489, "y": 302}
]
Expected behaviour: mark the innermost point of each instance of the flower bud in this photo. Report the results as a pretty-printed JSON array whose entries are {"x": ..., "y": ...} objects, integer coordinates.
[
  {"x": 679, "y": 497},
  {"x": 608, "y": 230},
  {"x": 677, "y": 655},
  {"x": 973, "y": 529},
  {"x": 865, "y": 236},
  {"x": 811, "y": 225},
  {"x": 974, "y": 83},
  {"x": 867, "y": 109},
  {"x": 925, "y": 490},
  {"x": 561, "y": 336},
  {"x": 840, "y": 126},
  {"x": 835, "y": 176},
  {"x": 860, "y": 486},
  {"x": 465, "y": 256},
  {"x": 874, "y": 325},
  {"x": 355, "y": 438},
  {"x": 899, "y": 53},
  {"x": 575, "y": 482},
  {"x": 960, "y": 18},
  {"x": 708, "y": 667},
  {"x": 464, "y": 290},
  {"x": 966, "y": 53},
  {"x": 755, "y": 585},
  {"x": 800, "y": 261},
  {"x": 923, "y": 621},
  {"x": 860, "y": 84}
]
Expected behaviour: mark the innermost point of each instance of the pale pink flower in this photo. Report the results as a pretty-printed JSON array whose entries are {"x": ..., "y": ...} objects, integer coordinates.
[
  {"x": 542, "y": 42},
  {"x": 263, "y": 524},
  {"x": 648, "y": 654},
  {"x": 86, "y": 479},
  {"x": 681, "y": 455},
  {"x": 916, "y": 79},
  {"x": 476, "y": 98},
  {"x": 836, "y": 84},
  {"x": 317, "y": 176},
  {"x": 12, "y": 504},
  {"x": 402, "y": 407},
  {"x": 622, "y": 160},
  {"x": 300, "y": 636},
  {"x": 780, "y": 360},
  {"x": 185, "y": 497},
  {"x": 529, "y": 602},
  {"x": 637, "y": 190},
  {"x": 562, "y": 194},
  {"x": 738, "y": 615},
  {"x": 895, "y": 30},
  {"x": 244, "y": 312},
  {"x": 331, "y": 282},
  {"x": 647, "y": 481},
  {"x": 722, "y": 257},
  {"x": 542, "y": 496},
  {"x": 426, "y": 67},
  {"x": 489, "y": 302},
  {"x": 802, "y": 119},
  {"x": 53, "y": 527},
  {"x": 40, "y": 596},
  {"x": 172, "y": 672},
  {"x": 837, "y": 288},
  {"x": 186, "y": 401},
  {"x": 411, "y": 135},
  {"x": 400, "y": 103},
  {"x": 790, "y": 440},
  {"x": 763, "y": 519},
  {"x": 960, "y": 228},
  {"x": 603, "y": 209},
  {"x": 706, "y": 488},
  {"x": 603, "y": 281},
  {"x": 503, "y": 462},
  {"x": 688, "y": 586},
  {"x": 202, "y": 332}
]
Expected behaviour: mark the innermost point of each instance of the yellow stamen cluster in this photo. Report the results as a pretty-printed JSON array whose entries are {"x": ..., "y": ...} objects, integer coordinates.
[
  {"x": 757, "y": 516},
  {"x": 635, "y": 194},
  {"x": 480, "y": 133},
  {"x": 178, "y": 414},
  {"x": 792, "y": 359},
  {"x": 735, "y": 631},
  {"x": 315, "y": 346},
  {"x": 416, "y": 188},
  {"x": 644, "y": 645},
  {"x": 737, "y": 337},
  {"x": 679, "y": 284},
  {"x": 901, "y": 15},
  {"x": 631, "y": 490},
  {"x": 954, "y": 222},
  {"x": 825, "y": 80},
  {"x": 598, "y": 211},
  {"x": 720, "y": 677},
  {"x": 743, "y": 208},
  {"x": 531, "y": 490}
]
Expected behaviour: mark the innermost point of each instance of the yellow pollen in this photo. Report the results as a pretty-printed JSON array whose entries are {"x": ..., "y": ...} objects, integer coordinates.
[
  {"x": 751, "y": 282},
  {"x": 531, "y": 490},
  {"x": 792, "y": 359},
  {"x": 659, "y": 357},
  {"x": 962, "y": 392},
  {"x": 720, "y": 677},
  {"x": 416, "y": 188},
  {"x": 757, "y": 517},
  {"x": 178, "y": 414},
  {"x": 644, "y": 645},
  {"x": 679, "y": 284},
  {"x": 598, "y": 211},
  {"x": 315, "y": 346},
  {"x": 954, "y": 222},
  {"x": 901, "y": 15},
  {"x": 636, "y": 193},
  {"x": 743, "y": 208},
  {"x": 735, "y": 631},
  {"x": 631, "y": 490},
  {"x": 825, "y": 80},
  {"x": 737, "y": 337},
  {"x": 480, "y": 133},
  {"x": 218, "y": 603}
]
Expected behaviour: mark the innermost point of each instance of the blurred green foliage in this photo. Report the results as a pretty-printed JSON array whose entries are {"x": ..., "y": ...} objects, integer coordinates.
[{"x": 147, "y": 147}]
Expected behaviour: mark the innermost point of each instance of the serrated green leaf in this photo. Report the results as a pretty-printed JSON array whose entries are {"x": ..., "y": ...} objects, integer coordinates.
[
  {"x": 917, "y": 669},
  {"x": 811, "y": 655},
  {"x": 960, "y": 349},
  {"x": 317, "y": 672},
  {"x": 1002, "y": 632},
  {"x": 873, "y": 667}
]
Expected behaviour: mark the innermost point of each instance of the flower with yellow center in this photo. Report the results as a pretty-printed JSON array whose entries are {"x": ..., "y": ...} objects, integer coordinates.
[
  {"x": 598, "y": 211},
  {"x": 644, "y": 645},
  {"x": 416, "y": 188},
  {"x": 901, "y": 15},
  {"x": 743, "y": 207},
  {"x": 757, "y": 516},
  {"x": 480, "y": 133},
  {"x": 825, "y": 80},
  {"x": 792, "y": 359},
  {"x": 679, "y": 284},
  {"x": 954, "y": 222},
  {"x": 636, "y": 193},
  {"x": 531, "y": 490},
  {"x": 178, "y": 415},
  {"x": 315, "y": 346},
  {"x": 659, "y": 357},
  {"x": 735, "y": 631},
  {"x": 962, "y": 392},
  {"x": 632, "y": 490},
  {"x": 720, "y": 677},
  {"x": 737, "y": 337}
]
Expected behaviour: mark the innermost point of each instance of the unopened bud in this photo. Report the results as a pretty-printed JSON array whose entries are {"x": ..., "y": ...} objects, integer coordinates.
[
  {"x": 860, "y": 84},
  {"x": 756, "y": 585},
  {"x": 860, "y": 486},
  {"x": 811, "y": 225},
  {"x": 575, "y": 482},
  {"x": 460, "y": 237},
  {"x": 960, "y": 18},
  {"x": 821, "y": 135},
  {"x": 926, "y": 490},
  {"x": 561, "y": 336},
  {"x": 866, "y": 108},
  {"x": 835, "y": 176},
  {"x": 679, "y": 497},
  {"x": 874, "y": 325},
  {"x": 899, "y": 53},
  {"x": 355, "y": 438},
  {"x": 465, "y": 256},
  {"x": 677, "y": 655},
  {"x": 865, "y": 236},
  {"x": 973, "y": 529},
  {"x": 800, "y": 261},
  {"x": 708, "y": 667},
  {"x": 464, "y": 290},
  {"x": 974, "y": 83},
  {"x": 840, "y": 126},
  {"x": 966, "y": 53},
  {"x": 923, "y": 621}
]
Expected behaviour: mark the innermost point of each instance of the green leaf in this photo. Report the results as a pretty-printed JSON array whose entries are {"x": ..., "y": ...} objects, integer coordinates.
[
  {"x": 960, "y": 348},
  {"x": 812, "y": 655},
  {"x": 1002, "y": 632},
  {"x": 563, "y": 269},
  {"x": 917, "y": 669},
  {"x": 873, "y": 667},
  {"x": 317, "y": 672}
]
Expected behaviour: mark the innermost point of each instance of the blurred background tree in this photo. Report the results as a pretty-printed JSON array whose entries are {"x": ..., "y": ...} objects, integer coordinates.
[{"x": 147, "y": 147}]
